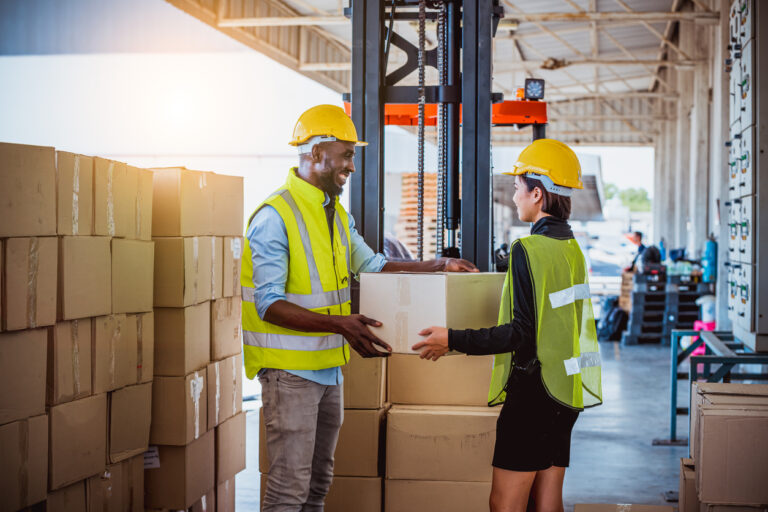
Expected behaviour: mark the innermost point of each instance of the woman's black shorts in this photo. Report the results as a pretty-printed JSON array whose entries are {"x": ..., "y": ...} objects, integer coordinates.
[{"x": 533, "y": 431}]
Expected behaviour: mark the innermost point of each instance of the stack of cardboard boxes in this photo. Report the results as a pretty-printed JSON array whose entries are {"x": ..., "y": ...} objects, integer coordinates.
[
  {"x": 77, "y": 300},
  {"x": 198, "y": 429},
  {"x": 727, "y": 469}
]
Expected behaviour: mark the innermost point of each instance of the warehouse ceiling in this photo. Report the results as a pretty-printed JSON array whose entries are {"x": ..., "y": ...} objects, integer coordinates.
[{"x": 606, "y": 63}]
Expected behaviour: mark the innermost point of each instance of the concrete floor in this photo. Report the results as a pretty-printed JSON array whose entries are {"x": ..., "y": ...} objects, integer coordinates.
[{"x": 612, "y": 459}]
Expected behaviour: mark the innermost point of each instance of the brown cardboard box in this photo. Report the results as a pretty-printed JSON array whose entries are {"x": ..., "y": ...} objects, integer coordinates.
[
  {"x": 407, "y": 303},
  {"x": 365, "y": 382},
  {"x": 230, "y": 448},
  {"x": 233, "y": 253},
  {"x": 74, "y": 194},
  {"x": 130, "y": 413},
  {"x": 733, "y": 508},
  {"x": 181, "y": 475},
  {"x": 29, "y": 294},
  {"x": 145, "y": 346},
  {"x": 182, "y": 339},
  {"x": 78, "y": 440},
  {"x": 206, "y": 503},
  {"x": 431, "y": 496},
  {"x": 24, "y": 470},
  {"x": 225, "y": 496},
  {"x": 27, "y": 190},
  {"x": 731, "y": 455},
  {"x": 217, "y": 266},
  {"x": 688, "y": 501},
  {"x": 105, "y": 490},
  {"x": 179, "y": 406},
  {"x": 2, "y": 270},
  {"x": 68, "y": 499},
  {"x": 360, "y": 449},
  {"x": 182, "y": 271},
  {"x": 440, "y": 443},
  {"x": 226, "y": 339},
  {"x": 354, "y": 493},
  {"x": 144, "y": 179},
  {"x": 115, "y": 189},
  {"x": 714, "y": 394},
  {"x": 69, "y": 361},
  {"x": 227, "y": 215},
  {"x": 22, "y": 374},
  {"x": 604, "y": 507},
  {"x": 133, "y": 484},
  {"x": 85, "y": 277},
  {"x": 114, "y": 348},
  {"x": 460, "y": 380},
  {"x": 225, "y": 389},
  {"x": 182, "y": 203},
  {"x": 133, "y": 264}
]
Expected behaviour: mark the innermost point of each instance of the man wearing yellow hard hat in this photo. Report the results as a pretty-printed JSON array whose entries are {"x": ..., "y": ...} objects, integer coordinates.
[
  {"x": 302, "y": 251},
  {"x": 547, "y": 365}
]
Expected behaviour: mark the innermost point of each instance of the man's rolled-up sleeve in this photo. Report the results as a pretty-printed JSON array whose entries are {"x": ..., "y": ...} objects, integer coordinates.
[
  {"x": 268, "y": 240},
  {"x": 364, "y": 259}
]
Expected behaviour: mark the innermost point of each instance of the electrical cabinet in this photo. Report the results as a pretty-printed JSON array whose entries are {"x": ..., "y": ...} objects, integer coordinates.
[
  {"x": 745, "y": 241},
  {"x": 745, "y": 164},
  {"x": 734, "y": 219}
]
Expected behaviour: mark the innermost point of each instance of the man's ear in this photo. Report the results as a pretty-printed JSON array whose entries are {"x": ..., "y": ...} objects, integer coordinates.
[{"x": 317, "y": 153}]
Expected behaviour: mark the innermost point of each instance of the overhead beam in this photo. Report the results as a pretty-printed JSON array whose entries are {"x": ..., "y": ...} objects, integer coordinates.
[
  {"x": 326, "y": 66},
  {"x": 553, "y": 63},
  {"x": 284, "y": 21},
  {"x": 599, "y": 117},
  {"x": 636, "y": 16},
  {"x": 571, "y": 96}
]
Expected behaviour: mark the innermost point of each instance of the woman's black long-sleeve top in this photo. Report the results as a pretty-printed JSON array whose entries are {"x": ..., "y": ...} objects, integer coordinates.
[{"x": 520, "y": 335}]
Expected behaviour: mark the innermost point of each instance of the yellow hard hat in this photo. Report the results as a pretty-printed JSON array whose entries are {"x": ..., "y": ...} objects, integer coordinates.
[
  {"x": 326, "y": 121},
  {"x": 550, "y": 159}
]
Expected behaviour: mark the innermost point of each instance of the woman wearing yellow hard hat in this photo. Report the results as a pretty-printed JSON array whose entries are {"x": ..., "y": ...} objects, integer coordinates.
[{"x": 547, "y": 364}]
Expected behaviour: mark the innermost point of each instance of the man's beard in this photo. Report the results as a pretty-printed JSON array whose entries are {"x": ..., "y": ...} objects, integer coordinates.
[{"x": 328, "y": 182}]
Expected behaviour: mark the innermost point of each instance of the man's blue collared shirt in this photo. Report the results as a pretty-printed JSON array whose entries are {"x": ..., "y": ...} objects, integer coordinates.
[{"x": 268, "y": 240}]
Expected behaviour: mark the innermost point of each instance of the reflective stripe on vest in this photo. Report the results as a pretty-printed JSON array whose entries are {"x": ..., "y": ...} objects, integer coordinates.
[{"x": 566, "y": 338}]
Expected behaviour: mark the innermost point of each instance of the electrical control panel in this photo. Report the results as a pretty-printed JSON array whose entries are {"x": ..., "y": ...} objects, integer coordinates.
[
  {"x": 745, "y": 229},
  {"x": 745, "y": 164}
]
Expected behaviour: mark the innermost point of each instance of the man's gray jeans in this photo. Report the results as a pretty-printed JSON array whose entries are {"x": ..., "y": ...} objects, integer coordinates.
[{"x": 302, "y": 420}]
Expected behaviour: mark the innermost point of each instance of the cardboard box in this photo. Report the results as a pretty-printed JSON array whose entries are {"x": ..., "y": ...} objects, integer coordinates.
[
  {"x": 74, "y": 194},
  {"x": 22, "y": 374},
  {"x": 227, "y": 214},
  {"x": 29, "y": 292},
  {"x": 68, "y": 499},
  {"x": 407, "y": 303},
  {"x": 360, "y": 449},
  {"x": 461, "y": 380},
  {"x": 133, "y": 484},
  {"x": 225, "y": 389},
  {"x": 182, "y": 339},
  {"x": 206, "y": 503},
  {"x": 105, "y": 490},
  {"x": 181, "y": 474},
  {"x": 217, "y": 266},
  {"x": 130, "y": 413},
  {"x": 144, "y": 186},
  {"x": 226, "y": 325},
  {"x": 365, "y": 382},
  {"x": 732, "y": 508},
  {"x": 85, "y": 277},
  {"x": 114, "y": 348},
  {"x": 688, "y": 501},
  {"x": 145, "y": 346},
  {"x": 441, "y": 443},
  {"x": 24, "y": 470},
  {"x": 230, "y": 448},
  {"x": 182, "y": 271},
  {"x": 430, "y": 496},
  {"x": 233, "y": 253},
  {"x": 604, "y": 507},
  {"x": 133, "y": 264},
  {"x": 27, "y": 190},
  {"x": 78, "y": 440},
  {"x": 731, "y": 457},
  {"x": 2, "y": 271},
  {"x": 182, "y": 203},
  {"x": 69, "y": 361},
  {"x": 179, "y": 406},
  {"x": 225, "y": 496},
  {"x": 115, "y": 189},
  {"x": 354, "y": 493}
]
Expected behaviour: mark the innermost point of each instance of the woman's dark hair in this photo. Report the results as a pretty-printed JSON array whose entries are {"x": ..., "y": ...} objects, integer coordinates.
[{"x": 553, "y": 204}]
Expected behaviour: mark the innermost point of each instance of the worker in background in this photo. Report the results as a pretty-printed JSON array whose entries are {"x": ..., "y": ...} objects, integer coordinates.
[
  {"x": 302, "y": 250},
  {"x": 637, "y": 239},
  {"x": 547, "y": 365}
]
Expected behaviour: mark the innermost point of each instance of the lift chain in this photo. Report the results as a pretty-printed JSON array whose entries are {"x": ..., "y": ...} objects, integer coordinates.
[
  {"x": 442, "y": 132},
  {"x": 422, "y": 101}
]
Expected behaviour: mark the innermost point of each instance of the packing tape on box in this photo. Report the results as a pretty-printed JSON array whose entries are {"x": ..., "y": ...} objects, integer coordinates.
[
  {"x": 74, "y": 334},
  {"x": 138, "y": 211},
  {"x": 213, "y": 267},
  {"x": 401, "y": 326},
  {"x": 202, "y": 181},
  {"x": 113, "y": 340},
  {"x": 234, "y": 385},
  {"x": 623, "y": 508},
  {"x": 110, "y": 200},
  {"x": 139, "y": 346},
  {"x": 33, "y": 262},
  {"x": 218, "y": 391},
  {"x": 76, "y": 197},
  {"x": 23, "y": 461},
  {"x": 204, "y": 502},
  {"x": 236, "y": 246},
  {"x": 404, "y": 290},
  {"x": 195, "y": 263},
  {"x": 195, "y": 390}
]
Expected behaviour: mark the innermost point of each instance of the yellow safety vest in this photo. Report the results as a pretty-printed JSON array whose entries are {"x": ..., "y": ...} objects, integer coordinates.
[
  {"x": 566, "y": 338},
  {"x": 318, "y": 280}
]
